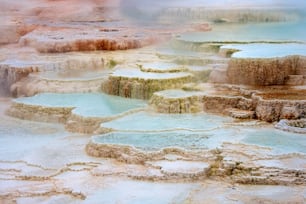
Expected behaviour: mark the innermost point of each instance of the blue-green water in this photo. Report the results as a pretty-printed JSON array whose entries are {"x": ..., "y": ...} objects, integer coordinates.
[
  {"x": 86, "y": 104},
  {"x": 144, "y": 121},
  {"x": 281, "y": 142},
  {"x": 152, "y": 141},
  {"x": 260, "y": 32},
  {"x": 152, "y": 131},
  {"x": 264, "y": 50}
]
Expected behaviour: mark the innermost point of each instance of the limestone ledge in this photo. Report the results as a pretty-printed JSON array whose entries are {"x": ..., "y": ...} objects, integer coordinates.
[
  {"x": 73, "y": 122},
  {"x": 181, "y": 44},
  {"x": 16, "y": 74},
  {"x": 271, "y": 110},
  {"x": 192, "y": 60},
  {"x": 265, "y": 71},
  {"x": 56, "y": 62},
  {"x": 39, "y": 113},
  {"x": 156, "y": 162},
  {"x": 162, "y": 67},
  {"x": 81, "y": 124},
  {"x": 142, "y": 88},
  {"x": 197, "y": 102},
  {"x": 296, "y": 126},
  {"x": 88, "y": 124},
  {"x": 132, "y": 155},
  {"x": 190, "y": 103},
  {"x": 34, "y": 85},
  {"x": 261, "y": 175},
  {"x": 70, "y": 40},
  {"x": 221, "y": 164},
  {"x": 256, "y": 105}
]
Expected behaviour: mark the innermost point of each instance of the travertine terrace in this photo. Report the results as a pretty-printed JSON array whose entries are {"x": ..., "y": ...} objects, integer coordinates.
[{"x": 152, "y": 102}]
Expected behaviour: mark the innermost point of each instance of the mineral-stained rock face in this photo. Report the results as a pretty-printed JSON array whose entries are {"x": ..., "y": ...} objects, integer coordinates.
[
  {"x": 274, "y": 110},
  {"x": 219, "y": 104},
  {"x": 40, "y": 113},
  {"x": 218, "y": 163},
  {"x": 262, "y": 72},
  {"x": 296, "y": 126},
  {"x": 51, "y": 73},
  {"x": 141, "y": 85},
  {"x": 81, "y": 124},
  {"x": 68, "y": 40},
  {"x": 301, "y": 66},
  {"x": 179, "y": 102},
  {"x": 265, "y": 106},
  {"x": 34, "y": 85},
  {"x": 10, "y": 75}
]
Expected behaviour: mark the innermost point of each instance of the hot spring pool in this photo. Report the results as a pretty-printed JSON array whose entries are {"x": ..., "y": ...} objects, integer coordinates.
[
  {"x": 151, "y": 131},
  {"x": 86, "y": 104},
  {"x": 144, "y": 121}
]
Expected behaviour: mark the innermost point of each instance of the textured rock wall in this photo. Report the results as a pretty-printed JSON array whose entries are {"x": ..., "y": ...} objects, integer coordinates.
[
  {"x": 191, "y": 104},
  {"x": 275, "y": 110},
  {"x": 89, "y": 125},
  {"x": 129, "y": 154},
  {"x": 86, "y": 125},
  {"x": 262, "y": 72},
  {"x": 10, "y": 75},
  {"x": 301, "y": 68},
  {"x": 39, "y": 113},
  {"x": 219, "y": 104},
  {"x": 240, "y": 167},
  {"x": 62, "y": 43},
  {"x": 32, "y": 86},
  {"x": 140, "y": 88},
  {"x": 198, "y": 103},
  {"x": 268, "y": 109},
  {"x": 85, "y": 45},
  {"x": 296, "y": 126}
]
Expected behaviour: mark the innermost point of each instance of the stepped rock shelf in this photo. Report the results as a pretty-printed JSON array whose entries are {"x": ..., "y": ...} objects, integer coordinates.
[
  {"x": 133, "y": 83},
  {"x": 148, "y": 144},
  {"x": 19, "y": 76},
  {"x": 70, "y": 81},
  {"x": 68, "y": 40},
  {"x": 202, "y": 101},
  {"x": 267, "y": 64},
  {"x": 266, "y": 105},
  {"x": 80, "y": 112},
  {"x": 297, "y": 126}
]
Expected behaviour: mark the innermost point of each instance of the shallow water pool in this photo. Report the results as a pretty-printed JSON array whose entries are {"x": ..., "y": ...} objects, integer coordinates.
[
  {"x": 262, "y": 50},
  {"x": 86, "y": 104},
  {"x": 255, "y": 32}
]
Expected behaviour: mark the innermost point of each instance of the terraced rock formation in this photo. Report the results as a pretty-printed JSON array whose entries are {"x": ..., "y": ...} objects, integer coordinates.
[
  {"x": 99, "y": 148},
  {"x": 80, "y": 112},
  {"x": 133, "y": 83},
  {"x": 274, "y": 67},
  {"x": 266, "y": 105}
]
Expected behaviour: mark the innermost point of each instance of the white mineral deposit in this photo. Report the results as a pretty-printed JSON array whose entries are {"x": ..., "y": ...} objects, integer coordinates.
[{"x": 142, "y": 101}]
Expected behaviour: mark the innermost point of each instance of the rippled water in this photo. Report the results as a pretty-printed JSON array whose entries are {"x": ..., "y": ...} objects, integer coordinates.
[
  {"x": 151, "y": 131},
  {"x": 159, "y": 140}
]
